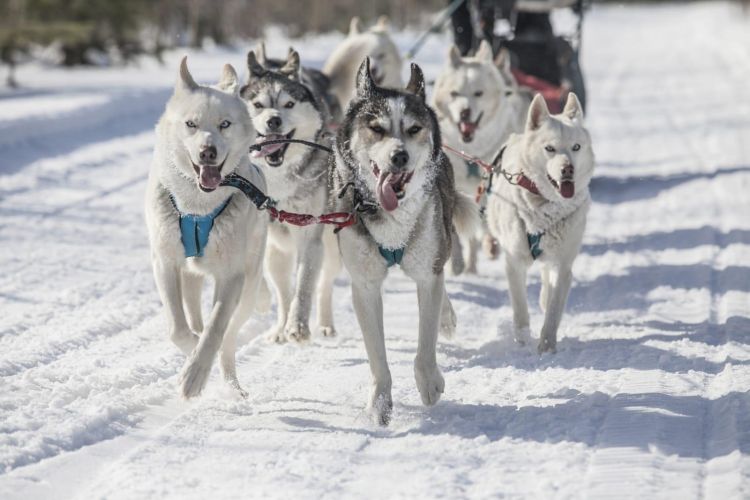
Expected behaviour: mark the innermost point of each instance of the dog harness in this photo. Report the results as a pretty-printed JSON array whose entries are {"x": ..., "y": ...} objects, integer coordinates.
[
  {"x": 473, "y": 169},
  {"x": 392, "y": 257},
  {"x": 195, "y": 229},
  {"x": 534, "y": 241}
]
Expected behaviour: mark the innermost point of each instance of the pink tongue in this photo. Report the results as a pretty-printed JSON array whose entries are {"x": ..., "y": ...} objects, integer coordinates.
[
  {"x": 567, "y": 189},
  {"x": 269, "y": 148},
  {"x": 386, "y": 194},
  {"x": 210, "y": 177},
  {"x": 467, "y": 128}
]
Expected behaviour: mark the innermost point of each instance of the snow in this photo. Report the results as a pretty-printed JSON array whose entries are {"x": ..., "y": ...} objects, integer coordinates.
[{"x": 646, "y": 397}]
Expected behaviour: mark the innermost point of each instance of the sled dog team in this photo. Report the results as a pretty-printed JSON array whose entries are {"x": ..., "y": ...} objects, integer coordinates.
[{"x": 412, "y": 202}]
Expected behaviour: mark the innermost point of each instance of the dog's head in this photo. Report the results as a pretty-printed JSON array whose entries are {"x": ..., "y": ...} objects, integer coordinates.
[
  {"x": 281, "y": 106},
  {"x": 377, "y": 44},
  {"x": 210, "y": 125},
  {"x": 470, "y": 90},
  {"x": 557, "y": 148},
  {"x": 391, "y": 136}
]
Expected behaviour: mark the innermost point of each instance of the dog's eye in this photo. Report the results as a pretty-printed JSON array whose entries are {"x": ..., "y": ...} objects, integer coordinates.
[
  {"x": 478, "y": 93},
  {"x": 289, "y": 105},
  {"x": 224, "y": 124},
  {"x": 377, "y": 129},
  {"x": 258, "y": 105},
  {"x": 454, "y": 94},
  {"x": 576, "y": 147},
  {"x": 414, "y": 130},
  {"x": 190, "y": 124},
  {"x": 549, "y": 149}
]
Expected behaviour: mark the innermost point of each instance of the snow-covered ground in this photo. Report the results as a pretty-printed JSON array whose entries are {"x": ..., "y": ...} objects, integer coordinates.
[{"x": 646, "y": 397}]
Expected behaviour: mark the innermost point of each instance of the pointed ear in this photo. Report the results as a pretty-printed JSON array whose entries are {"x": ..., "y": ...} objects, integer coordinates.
[
  {"x": 185, "y": 82},
  {"x": 260, "y": 53},
  {"x": 416, "y": 82},
  {"x": 383, "y": 23},
  {"x": 538, "y": 113},
  {"x": 484, "y": 52},
  {"x": 365, "y": 84},
  {"x": 291, "y": 67},
  {"x": 502, "y": 61},
  {"x": 454, "y": 56},
  {"x": 229, "y": 82},
  {"x": 254, "y": 69},
  {"x": 355, "y": 26},
  {"x": 573, "y": 108}
]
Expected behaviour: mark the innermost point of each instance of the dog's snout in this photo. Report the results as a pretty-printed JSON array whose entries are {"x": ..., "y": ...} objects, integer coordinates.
[
  {"x": 273, "y": 123},
  {"x": 208, "y": 154},
  {"x": 568, "y": 171},
  {"x": 399, "y": 158},
  {"x": 465, "y": 114}
]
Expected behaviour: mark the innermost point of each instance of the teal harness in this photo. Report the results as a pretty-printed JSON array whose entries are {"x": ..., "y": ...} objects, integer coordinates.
[
  {"x": 473, "y": 169},
  {"x": 392, "y": 257},
  {"x": 534, "y": 241},
  {"x": 195, "y": 229}
]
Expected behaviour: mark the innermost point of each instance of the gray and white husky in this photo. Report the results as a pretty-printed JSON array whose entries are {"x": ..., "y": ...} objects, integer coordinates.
[
  {"x": 296, "y": 175},
  {"x": 375, "y": 43},
  {"x": 199, "y": 228},
  {"x": 390, "y": 164},
  {"x": 543, "y": 216},
  {"x": 478, "y": 105}
]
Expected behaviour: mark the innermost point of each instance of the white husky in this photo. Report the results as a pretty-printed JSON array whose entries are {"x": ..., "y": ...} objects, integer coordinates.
[
  {"x": 375, "y": 43},
  {"x": 199, "y": 228},
  {"x": 479, "y": 106},
  {"x": 543, "y": 216}
]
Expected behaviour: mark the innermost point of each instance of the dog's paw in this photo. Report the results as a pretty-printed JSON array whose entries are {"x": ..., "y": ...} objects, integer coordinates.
[
  {"x": 547, "y": 345},
  {"x": 430, "y": 382},
  {"x": 381, "y": 408},
  {"x": 327, "y": 331},
  {"x": 185, "y": 341},
  {"x": 275, "y": 335},
  {"x": 194, "y": 377},
  {"x": 297, "y": 332},
  {"x": 235, "y": 386},
  {"x": 522, "y": 336}
]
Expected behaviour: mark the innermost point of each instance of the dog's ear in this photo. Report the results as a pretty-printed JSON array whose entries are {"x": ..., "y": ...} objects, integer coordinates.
[
  {"x": 484, "y": 52},
  {"x": 254, "y": 69},
  {"x": 502, "y": 62},
  {"x": 365, "y": 83},
  {"x": 291, "y": 68},
  {"x": 229, "y": 82},
  {"x": 538, "y": 113},
  {"x": 355, "y": 26},
  {"x": 573, "y": 108},
  {"x": 382, "y": 24},
  {"x": 185, "y": 82},
  {"x": 454, "y": 56},
  {"x": 416, "y": 81},
  {"x": 260, "y": 53}
]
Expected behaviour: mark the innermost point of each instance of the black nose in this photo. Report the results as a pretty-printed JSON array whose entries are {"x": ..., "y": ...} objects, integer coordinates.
[
  {"x": 400, "y": 158},
  {"x": 273, "y": 123},
  {"x": 568, "y": 171},
  {"x": 208, "y": 154},
  {"x": 465, "y": 115}
]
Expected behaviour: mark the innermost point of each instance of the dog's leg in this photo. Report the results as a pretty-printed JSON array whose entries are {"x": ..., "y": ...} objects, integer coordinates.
[
  {"x": 368, "y": 305},
  {"x": 192, "y": 285},
  {"x": 198, "y": 366},
  {"x": 544, "y": 290},
  {"x": 472, "y": 248},
  {"x": 309, "y": 257},
  {"x": 559, "y": 285},
  {"x": 431, "y": 297},
  {"x": 331, "y": 269},
  {"x": 516, "y": 274},
  {"x": 279, "y": 266},
  {"x": 447, "y": 317},
  {"x": 457, "y": 255},
  {"x": 169, "y": 284}
]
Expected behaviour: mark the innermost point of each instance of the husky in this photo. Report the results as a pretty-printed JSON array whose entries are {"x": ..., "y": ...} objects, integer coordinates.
[
  {"x": 199, "y": 228},
  {"x": 479, "y": 105},
  {"x": 542, "y": 214},
  {"x": 389, "y": 166},
  {"x": 297, "y": 178},
  {"x": 375, "y": 43},
  {"x": 315, "y": 80}
]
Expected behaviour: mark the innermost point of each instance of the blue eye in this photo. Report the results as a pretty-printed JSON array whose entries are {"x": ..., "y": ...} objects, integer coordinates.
[
  {"x": 191, "y": 124},
  {"x": 225, "y": 124}
]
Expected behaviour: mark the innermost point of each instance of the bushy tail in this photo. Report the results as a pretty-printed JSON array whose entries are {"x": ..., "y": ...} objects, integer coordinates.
[{"x": 466, "y": 216}]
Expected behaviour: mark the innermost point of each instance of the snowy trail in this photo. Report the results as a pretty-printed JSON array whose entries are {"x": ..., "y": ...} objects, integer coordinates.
[{"x": 647, "y": 396}]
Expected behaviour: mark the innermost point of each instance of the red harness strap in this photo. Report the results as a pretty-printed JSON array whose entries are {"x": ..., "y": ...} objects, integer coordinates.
[{"x": 338, "y": 219}]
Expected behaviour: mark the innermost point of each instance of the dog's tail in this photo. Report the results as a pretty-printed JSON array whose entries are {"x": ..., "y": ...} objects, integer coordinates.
[{"x": 466, "y": 216}]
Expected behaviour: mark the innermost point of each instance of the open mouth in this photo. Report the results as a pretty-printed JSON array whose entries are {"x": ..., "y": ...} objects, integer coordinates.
[
  {"x": 209, "y": 176},
  {"x": 566, "y": 187},
  {"x": 391, "y": 186},
  {"x": 273, "y": 153},
  {"x": 467, "y": 128}
]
